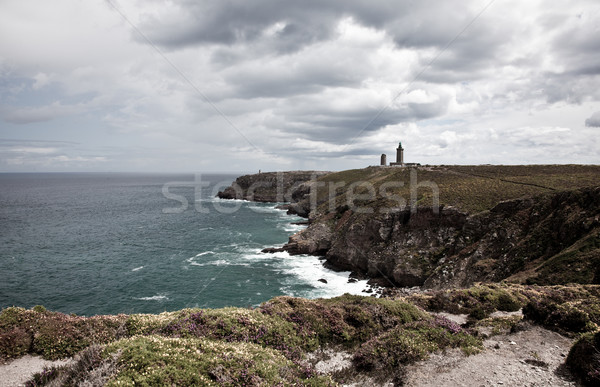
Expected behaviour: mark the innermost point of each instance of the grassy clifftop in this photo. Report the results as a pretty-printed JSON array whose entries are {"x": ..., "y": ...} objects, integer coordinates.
[{"x": 468, "y": 188}]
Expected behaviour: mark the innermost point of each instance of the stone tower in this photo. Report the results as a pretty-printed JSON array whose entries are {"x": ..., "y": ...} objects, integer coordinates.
[
  {"x": 383, "y": 160},
  {"x": 399, "y": 154}
]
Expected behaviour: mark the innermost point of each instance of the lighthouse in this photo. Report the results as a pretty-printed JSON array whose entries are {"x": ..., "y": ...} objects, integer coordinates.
[{"x": 400, "y": 154}]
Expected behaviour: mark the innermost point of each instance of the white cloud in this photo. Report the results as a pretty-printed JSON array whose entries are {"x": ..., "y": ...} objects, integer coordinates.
[{"x": 324, "y": 84}]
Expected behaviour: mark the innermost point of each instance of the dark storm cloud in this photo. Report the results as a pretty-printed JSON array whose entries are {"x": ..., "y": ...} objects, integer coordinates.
[
  {"x": 411, "y": 24},
  {"x": 336, "y": 127},
  {"x": 311, "y": 79},
  {"x": 267, "y": 28},
  {"x": 593, "y": 121},
  {"x": 230, "y": 22}
]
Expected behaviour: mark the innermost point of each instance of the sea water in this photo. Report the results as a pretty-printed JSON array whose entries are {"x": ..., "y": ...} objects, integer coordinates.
[{"x": 106, "y": 243}]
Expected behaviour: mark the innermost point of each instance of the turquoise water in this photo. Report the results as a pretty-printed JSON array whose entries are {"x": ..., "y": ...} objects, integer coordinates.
[{"x": 141, "y": 243}]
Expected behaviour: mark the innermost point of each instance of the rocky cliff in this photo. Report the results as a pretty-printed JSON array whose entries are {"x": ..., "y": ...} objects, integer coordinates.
[
  {"x": 526, "y": 224},
  {"x": 288, "y": 186},
  {"x": 549, "y": 239}
]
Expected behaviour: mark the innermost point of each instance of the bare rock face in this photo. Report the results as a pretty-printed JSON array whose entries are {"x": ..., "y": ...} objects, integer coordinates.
[
  {"x": 523, "y": 233},
  {"x": 452, "y": 248},
  {"x": 400, "y": 247},
  {"x": 314, "y": 240}
]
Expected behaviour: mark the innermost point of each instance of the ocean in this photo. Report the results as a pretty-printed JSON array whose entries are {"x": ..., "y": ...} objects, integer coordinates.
[{"x": 109, "y": 243}]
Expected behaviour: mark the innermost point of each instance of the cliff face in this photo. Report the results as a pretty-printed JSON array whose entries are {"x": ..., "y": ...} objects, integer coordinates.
[
  {"x": 449, "y": 249},
  {"x": 535, "y": 226}
]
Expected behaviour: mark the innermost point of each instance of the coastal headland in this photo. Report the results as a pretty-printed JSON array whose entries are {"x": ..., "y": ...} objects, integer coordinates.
[
  {"x": 502, "y": 262},
  {"x": 445, "y": 226}
]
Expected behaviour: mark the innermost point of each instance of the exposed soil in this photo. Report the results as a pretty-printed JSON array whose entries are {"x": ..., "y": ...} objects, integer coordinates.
[
  {"x": 18, "y": 371},
  {"x": 531, "y": 357}
]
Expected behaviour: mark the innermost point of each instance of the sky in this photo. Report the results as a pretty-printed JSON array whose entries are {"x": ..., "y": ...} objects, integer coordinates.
[{"x": 238, "y": 86}]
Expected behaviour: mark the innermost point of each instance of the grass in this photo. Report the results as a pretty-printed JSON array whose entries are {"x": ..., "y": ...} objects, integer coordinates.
[
  {"x": 468, "y": 188},
  {"x": 53, "y": 335},
  {"x": 573, "y": 265},
  {"x": 157, "y": 360}
]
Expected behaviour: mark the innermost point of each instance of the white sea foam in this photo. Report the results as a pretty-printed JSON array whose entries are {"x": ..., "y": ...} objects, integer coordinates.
[
  {"x": 158, "y": 297},
  {"x": 308, "y": 270},
  {"x": 218, "y": 199},
  {"x": 294, "y": 228},
  {"x": 137, "y": 268},
  {"x": 218, "y": 262},
  {"x": 205, "y": 253},
  {"x": 266, "y": 210}
]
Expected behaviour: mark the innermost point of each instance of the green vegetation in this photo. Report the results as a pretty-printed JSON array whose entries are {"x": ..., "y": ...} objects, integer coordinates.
[
  {"x": 231, "y": 346},
  {"x": 53, "y": 335},
  {"x": 573, "y": 265},
  {"x": 157, "y": 360},
  {"x": 268, "y": 345},
  {"x": 568, "y": 309},
  {"x": 469, "y": 188},
  {"x": 477, "y": 301}
]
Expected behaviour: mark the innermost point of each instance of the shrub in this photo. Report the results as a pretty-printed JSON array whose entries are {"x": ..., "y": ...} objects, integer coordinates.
[
  {"x": 52, "y": 335},
  {"x": 155, "y": 360},
  {"x": 584, "y": 359},
  {"x": 412, "y": 342},
  {"x": 507, "y": 303},
  {"x": 478, "y": 313},
  {"x": 562, "y": 317}
]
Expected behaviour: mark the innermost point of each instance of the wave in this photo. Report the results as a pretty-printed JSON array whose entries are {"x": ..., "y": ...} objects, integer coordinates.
[
  {"x": 204, "y": 253},
  {"x": 158, "y": 297},
  {"x": 292, "y": 227},
  {"x": 309, "y": 270},
  {"x": 218, "y": 262},
  {"x": 267, "y": 210}
]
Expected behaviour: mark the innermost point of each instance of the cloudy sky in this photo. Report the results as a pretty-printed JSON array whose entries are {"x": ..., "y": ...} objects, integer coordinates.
[{"x": 237, "y": 86}]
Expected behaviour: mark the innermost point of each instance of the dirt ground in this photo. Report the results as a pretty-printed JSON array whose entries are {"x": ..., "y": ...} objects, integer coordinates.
[
  {"x": 18, "y": 371},
  {"x": 531, "y": 357}
]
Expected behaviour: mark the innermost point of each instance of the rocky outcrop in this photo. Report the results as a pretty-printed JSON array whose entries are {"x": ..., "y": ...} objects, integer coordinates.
[
  {"x": 399, "y": 247},
  {"x": 273, "y": 187},
  {"x": 545, "y": 239},
  {"x": 526, "y": 236},
  {"x": 452, "y": 248}
]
